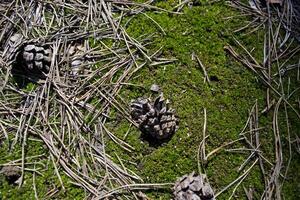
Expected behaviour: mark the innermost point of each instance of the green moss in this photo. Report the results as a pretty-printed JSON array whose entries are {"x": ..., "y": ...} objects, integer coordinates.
[
  {"x": 232, "y": 92},
  {"x": 228, "y": 99}
]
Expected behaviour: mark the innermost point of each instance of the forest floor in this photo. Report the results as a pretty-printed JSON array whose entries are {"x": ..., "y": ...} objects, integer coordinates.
[{"x": 203, "y": 30}]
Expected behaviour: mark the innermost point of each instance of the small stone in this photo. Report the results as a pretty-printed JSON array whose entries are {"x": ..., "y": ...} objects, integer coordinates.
[{"x": 155, "y": 88}]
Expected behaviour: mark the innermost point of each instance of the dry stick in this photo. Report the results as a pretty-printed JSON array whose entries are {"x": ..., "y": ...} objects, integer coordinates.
[
  {"x": 109, "y": 164},
  {"x": 254, "y": 152},
  {"x": 285, "y": 109},
  {"x": 125, "y": 169},
  {"x": 290, "y": 143},
  {"x": 34, "y": 185},
  {"x": 206, "y": 77},
  {"x": 235, "y": 55},
  {"x": 143, "y": 5},
  {"x": 278, "y": 151},
  {"x": 135, "y": 187},
  {"x": 273, "y": 183},
  {"x": 181, "y": 5},
  {"x": 257, "y": 143},
  {"x": 6, "y": 78},
  {"x": 222, "y": 146},
  {"x": 68, "y": 170},
  {"x": 118, "y": 141},
  {"x": 256, "y": 129},
  {"x": 242, "y": 177},
  {"x": 25, "y": 138},
  {"x": 27, "y": 158},
  {"x": 21, "y": 125},
  {"x": 269, "y": 55},
  {"x": 4, "y": 131},
  {"x": 247, "y": 26},
  {"x": 237, "y": 185},
  {"x": 156, "y": 23},
  {"x": 249, "y": 194},
  {"x": 100, "y": 129},
  {"x": 57, "y": 172},
  {"x": 201, "y": 149}
]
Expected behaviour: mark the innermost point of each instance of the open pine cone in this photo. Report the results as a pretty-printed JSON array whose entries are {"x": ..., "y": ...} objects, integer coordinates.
[
  {"x": 193, "y": 187},
  {"x": 36, "y": 57},
  {"x": 154, "y": 118},
  {"x": 30, "y": 56}
]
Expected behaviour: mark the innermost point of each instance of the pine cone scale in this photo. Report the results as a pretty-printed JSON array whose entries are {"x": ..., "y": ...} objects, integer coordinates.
[
  {"x": 191, "y": 187},
  {"x": 36, "y": 58}
]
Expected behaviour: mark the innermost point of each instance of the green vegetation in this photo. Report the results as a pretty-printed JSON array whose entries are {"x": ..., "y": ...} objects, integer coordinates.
[{"x": 233, "y": 90}]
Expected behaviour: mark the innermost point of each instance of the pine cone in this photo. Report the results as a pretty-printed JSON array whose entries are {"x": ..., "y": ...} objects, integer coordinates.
[
  {"x": 193, "y": 187},
  {"x": 12, "y": 47},
  {"x": 36, "y": 58},
  {"x": 156, "y": 118},
  {"x": 78, "y": 58}
]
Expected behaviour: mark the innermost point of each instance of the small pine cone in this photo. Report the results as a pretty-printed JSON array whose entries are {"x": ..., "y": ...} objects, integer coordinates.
[
  {"x": 12, "y": 47},
  {"x": 77, "y": 60},
  {"x": 36, "y": 57},
  {"x": 193, "y": 187},
  {"x": 155, "y": 118}
]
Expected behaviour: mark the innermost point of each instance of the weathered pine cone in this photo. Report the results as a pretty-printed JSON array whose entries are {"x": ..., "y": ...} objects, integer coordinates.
[
  {"x": 12, "y": 47},
  {"x": 36, "y": 58},
  {"x": 77, "y": 59},
  {"x": 193, "y": 187},
  {"x": 154, "y": 118}
]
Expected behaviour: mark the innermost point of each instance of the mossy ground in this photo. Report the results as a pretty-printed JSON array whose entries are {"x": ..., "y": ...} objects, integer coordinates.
[{"x": 233, "y": 90}]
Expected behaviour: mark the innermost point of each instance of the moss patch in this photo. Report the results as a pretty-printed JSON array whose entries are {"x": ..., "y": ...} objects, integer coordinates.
[{"x": 233, "y": 90}]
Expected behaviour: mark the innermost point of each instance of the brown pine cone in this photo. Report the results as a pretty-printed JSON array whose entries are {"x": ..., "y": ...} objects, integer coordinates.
[
  {"x": 193, "y": 187},
  {"x": 155, "y": 118},
  {"x": 36, "y": 58}
]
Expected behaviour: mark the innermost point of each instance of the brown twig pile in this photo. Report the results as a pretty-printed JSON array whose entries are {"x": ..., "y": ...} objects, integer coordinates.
[{"x": 73, "y": 95}]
